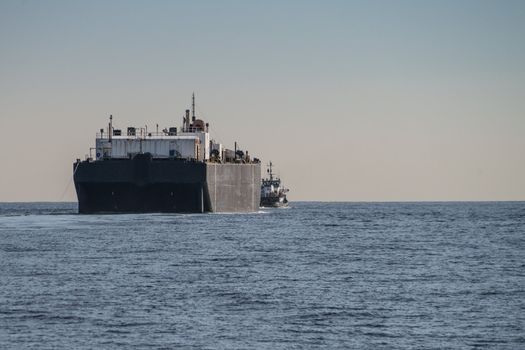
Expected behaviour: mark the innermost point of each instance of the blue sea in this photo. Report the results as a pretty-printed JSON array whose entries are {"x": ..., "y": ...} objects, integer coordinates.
[{"x": 314, "y": 275}]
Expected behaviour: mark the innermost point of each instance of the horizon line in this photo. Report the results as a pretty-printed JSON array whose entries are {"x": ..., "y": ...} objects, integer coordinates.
[{"x": 339, "y": 201}]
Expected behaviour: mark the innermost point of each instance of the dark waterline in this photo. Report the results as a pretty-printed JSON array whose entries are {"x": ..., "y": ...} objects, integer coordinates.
[{"x": 316, "y": 275}]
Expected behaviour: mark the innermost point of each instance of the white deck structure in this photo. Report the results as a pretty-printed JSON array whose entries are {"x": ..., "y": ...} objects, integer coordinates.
[{"x": 192, "y": 142}]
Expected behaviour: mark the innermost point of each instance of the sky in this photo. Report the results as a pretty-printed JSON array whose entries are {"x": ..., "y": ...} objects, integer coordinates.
[{"x": 351, "y": 100}]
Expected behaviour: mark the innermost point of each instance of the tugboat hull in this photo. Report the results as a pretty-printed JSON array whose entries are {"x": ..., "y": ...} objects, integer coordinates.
[{"x": 274, "y": 202}]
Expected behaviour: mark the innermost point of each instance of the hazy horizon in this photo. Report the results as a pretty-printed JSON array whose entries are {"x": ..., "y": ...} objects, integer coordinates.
[
  {"x": 353, "y": 101},
  {"x": 326, "y": 201}
]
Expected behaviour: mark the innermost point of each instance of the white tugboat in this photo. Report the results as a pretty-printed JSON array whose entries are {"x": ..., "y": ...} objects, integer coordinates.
[{"x": 272, "y": 193}]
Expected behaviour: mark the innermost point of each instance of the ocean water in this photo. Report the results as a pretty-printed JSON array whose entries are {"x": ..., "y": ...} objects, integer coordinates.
[{"x": 315, "y": 275}]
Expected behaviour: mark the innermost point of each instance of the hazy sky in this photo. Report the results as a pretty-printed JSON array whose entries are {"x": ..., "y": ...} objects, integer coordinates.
[{"x": 351, "y": 100}]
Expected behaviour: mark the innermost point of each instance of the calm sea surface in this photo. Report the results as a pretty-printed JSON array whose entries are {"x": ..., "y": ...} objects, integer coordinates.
[{"x": 316, "y": 275}]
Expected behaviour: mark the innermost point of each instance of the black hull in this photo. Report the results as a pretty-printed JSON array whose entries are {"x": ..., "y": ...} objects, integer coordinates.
[
  {"x": 146, "y": 185},
  {"x": 273, "y": 202}
]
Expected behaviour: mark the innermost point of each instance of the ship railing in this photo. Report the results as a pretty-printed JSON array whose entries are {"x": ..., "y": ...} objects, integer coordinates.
[{"x": 138, "y": 135}]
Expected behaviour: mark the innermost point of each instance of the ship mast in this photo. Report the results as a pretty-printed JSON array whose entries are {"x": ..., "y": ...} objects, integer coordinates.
[
  {"x": 193, "y": 106},
  {"x": 110, "y": 127}
]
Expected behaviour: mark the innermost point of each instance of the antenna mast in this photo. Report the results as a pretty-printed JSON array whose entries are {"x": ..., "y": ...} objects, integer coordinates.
[
  {"x": 193, "y": 106},
  {"x": 110, "y": 127}
]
